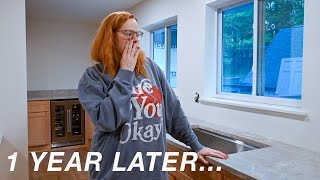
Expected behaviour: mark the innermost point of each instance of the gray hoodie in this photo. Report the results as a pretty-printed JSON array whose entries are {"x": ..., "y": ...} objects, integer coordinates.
[{"x": 132, "y": 114}]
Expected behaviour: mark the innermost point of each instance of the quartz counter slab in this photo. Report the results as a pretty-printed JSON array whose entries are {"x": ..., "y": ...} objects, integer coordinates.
[
  {"x": 278, "y": 161},
  {"x": 52, "y": 94}
]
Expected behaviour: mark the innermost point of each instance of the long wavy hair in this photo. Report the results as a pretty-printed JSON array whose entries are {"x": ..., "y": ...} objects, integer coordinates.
[{"x": 103, "y": 47}]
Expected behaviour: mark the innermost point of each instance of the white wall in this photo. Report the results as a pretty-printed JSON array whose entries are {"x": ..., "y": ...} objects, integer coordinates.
[
  {"x": 191, "y": 55},
  {"x": 57, "y": 53},
  {"x": 13, "y": 91}
]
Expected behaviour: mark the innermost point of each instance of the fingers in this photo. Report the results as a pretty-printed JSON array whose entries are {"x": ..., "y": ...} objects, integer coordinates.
[
  {"x": 201, "y": 158},
  {"x": 215, "y": 153},
  {"x": 130, "y": 48},
  {"x": 134, "y": 49},
  {"x": 129, "y": 55},
  {"x": 137, "y": 53},
  {"x": 225, "y": 156},
  {"x": 126, "y": 48}
]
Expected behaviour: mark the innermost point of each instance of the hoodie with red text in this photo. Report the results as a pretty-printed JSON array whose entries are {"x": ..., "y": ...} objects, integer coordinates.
[{"x": 132, "y": 114}]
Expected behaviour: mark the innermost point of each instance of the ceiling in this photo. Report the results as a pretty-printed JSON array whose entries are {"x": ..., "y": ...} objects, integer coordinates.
[{"x": 84, "y": 11}]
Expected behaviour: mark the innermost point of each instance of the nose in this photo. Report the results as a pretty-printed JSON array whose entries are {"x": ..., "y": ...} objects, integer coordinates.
[{"x": 135, "y": 38}]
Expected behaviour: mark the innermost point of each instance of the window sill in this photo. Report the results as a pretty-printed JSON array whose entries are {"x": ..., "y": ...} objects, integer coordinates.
[{"x": 266, "y": 109}]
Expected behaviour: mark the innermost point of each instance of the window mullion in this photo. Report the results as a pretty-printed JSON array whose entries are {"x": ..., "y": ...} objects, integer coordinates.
[
  {"x": 261, "y": 47},
  {"x": 167, "y": 44},
  {"x": 219, "y": 56},
  {"x": 152, "y": 44},
  {"x": 255, "y": 49}
]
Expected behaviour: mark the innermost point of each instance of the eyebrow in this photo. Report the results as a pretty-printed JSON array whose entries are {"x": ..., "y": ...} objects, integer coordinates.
[{"x": 132, "y": 30}]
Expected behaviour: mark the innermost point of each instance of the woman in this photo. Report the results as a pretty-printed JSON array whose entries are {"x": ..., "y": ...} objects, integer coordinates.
[{"x": 131, "y": 103}]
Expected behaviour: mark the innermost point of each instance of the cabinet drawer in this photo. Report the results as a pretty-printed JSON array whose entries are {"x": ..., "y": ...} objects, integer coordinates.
[
  {"x": 38, "y": 106},
  {"x": 38, "y": 114}
]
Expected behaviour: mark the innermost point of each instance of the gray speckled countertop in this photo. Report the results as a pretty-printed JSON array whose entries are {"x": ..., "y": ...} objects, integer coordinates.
[
  {"x": 278, "y": 161},
  {"x": 52, "y": 94}
]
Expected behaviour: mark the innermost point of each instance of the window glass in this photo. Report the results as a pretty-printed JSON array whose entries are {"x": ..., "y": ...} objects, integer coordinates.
[
  {"x": 159, "y": 49},
  {"x": 280, "y": 56},
  {"x": 237, "y": 49},
  {"x": 173, "y": 56}
]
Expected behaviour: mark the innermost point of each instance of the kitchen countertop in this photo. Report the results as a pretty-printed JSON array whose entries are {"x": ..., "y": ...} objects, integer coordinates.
[
  {"x": 52, "y": 94},
  {"x": 277, "y": 161}
]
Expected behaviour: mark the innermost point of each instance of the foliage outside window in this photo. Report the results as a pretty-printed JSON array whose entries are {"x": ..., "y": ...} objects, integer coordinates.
[{"x": 266, "y": 62}]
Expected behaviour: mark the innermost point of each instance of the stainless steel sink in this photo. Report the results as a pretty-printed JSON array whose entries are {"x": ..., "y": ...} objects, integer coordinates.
[{"x": 223, "y": 143}]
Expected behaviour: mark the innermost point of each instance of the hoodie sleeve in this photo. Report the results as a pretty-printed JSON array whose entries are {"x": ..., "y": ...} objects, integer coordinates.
[
  {"x": 108, "y": 111},
  {"x": 177, "y": 124}
]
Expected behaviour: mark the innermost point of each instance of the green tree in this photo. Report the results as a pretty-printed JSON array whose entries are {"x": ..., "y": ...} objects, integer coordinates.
[
  {"x": 282, "y": 14},
  {"x": 237, "y": 30}
]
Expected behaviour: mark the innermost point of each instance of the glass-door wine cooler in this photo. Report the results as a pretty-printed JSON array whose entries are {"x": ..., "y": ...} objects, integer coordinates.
[{"x": 67, "y": 123}]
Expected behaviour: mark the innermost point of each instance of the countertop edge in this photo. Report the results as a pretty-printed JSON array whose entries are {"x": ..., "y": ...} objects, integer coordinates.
[
  {"x": 212, "y": 160},
  {"x": 52, "y": 98},
  {"x": 278, "y": 160},
  {"x": 55, "y": 94}
]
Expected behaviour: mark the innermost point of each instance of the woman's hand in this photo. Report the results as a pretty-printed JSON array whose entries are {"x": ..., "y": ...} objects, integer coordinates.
[
  {"x": 129, "y": 56},
  {"x": 210, "y": 152}
]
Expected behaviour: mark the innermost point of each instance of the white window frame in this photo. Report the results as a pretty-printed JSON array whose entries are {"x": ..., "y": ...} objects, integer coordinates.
[
  {"x": 166, "y": 23},
  {"x": 219, "y": 6}
]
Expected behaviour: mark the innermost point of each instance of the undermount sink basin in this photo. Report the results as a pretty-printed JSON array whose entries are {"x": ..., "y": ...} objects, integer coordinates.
[{"x": 223, "y": 143}]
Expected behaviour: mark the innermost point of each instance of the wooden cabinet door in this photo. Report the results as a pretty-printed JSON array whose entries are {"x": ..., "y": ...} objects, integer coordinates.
[
  {"x": 89, "y": 127},
  {"x": 229, "y": 176},
  {"x": 171, "y": 177},
  {"x": 89, "y": 131},
  {"x": 196, "y": 175},
  {"x": 38, "y": 129}
]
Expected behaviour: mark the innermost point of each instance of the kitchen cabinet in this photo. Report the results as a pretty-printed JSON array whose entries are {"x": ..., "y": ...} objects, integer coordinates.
[
  {"x": 171, "y": 177},
  {"x": 57, "y": 123},
  {"x": 67, "y": 123},
  {"x": 190, "y": 175},
  {"x": 89, "y": 131},
  {"x": 38, "y": 123}
]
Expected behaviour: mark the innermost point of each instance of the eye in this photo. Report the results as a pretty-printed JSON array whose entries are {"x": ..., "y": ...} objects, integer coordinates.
[{"x": 128, "y": 33}]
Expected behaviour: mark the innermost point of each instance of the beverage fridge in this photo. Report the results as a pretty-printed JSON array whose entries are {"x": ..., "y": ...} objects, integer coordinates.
[{"x": 67, "y": 123}]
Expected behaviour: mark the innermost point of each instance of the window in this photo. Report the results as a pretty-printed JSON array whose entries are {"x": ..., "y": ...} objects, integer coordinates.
[
  {"x": 281, "y": 48},
  {"x": 237, "y": 49},
  {"x": 164, "y": 51},
  {"x": 262, "y": 59}
]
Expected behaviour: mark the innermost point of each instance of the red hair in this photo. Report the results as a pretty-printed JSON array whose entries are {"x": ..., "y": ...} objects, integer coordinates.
[{"x": 103, "y": 47}]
